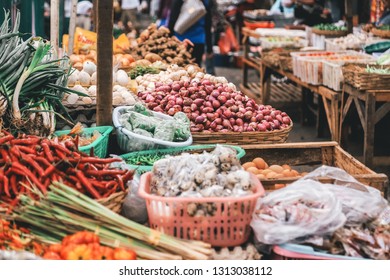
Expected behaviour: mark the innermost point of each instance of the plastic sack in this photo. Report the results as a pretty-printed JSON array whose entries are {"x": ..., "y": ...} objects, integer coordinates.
[
  {"x": 303, "y": 208},
  {"x": 138, "y": 120},
  {"x": 182, "y": 131},
  {"x": 360, "y": 203},
  {"x": 165, "y": 130},
  {"x": 134, "y": 207}
]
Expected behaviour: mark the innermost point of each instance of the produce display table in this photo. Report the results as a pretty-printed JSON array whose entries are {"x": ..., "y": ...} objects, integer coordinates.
[
  {"x": 330, "y": 99},
  {"x": 265, "y": 93},
  {"x": 284, "y": 93},
  {"x": 366, "y": 105}
]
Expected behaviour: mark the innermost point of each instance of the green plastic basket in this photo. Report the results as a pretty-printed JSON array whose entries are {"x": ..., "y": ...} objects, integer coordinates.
[
  {"x": 174, "y": 151},
  {"x": 99, "y": 145}
]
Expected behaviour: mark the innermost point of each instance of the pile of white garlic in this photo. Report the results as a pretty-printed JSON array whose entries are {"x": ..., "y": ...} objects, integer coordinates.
[
  {"x": 87, "y": 76},
  {"x": 175, "y": 73},
  {"x": 84, "y": 81}
]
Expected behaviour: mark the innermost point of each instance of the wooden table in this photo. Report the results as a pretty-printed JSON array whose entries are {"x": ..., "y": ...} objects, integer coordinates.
[
  {"x": 366, "y": 103},
  {"x": 330, "y": 98}
]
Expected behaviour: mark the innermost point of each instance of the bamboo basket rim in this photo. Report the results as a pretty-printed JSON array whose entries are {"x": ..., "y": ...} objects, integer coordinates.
[
  {"x": 381, "y": 33},
  {"x": 248, "y": 133},
  {"x": 330, "y": 32},
  {"x": 352, "y": 67}
]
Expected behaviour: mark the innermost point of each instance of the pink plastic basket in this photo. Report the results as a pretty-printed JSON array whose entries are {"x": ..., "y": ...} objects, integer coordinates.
[{"x": 229, "y": 226}]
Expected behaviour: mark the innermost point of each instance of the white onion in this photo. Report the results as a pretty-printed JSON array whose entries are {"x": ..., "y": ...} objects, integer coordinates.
[
  {"x": 92, "y": 90},
  {"x": 72, "y": 98},
  {"x": 87, "y": 100},
  {"x": 93, "y": 78},
  {"x": 84, "y": 78},
  {"x": 89, "y": 67},
  {"x": 122, "y": 78}
]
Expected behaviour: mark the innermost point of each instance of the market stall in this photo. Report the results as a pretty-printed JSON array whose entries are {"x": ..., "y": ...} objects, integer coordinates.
[{"x": 240, "y": 193}]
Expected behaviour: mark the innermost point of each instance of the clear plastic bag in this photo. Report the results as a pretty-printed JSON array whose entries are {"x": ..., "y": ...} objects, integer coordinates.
[
  {"x": 147, "y": 123},
  {"x": 165, "y": 130},
  {"x": 18, "y": 255},
  {"x": 134, "y": 207},
  {"x": 308, "y": 207},
  {"x": 303, "y": 208},
  {"x": 360, "y": 203}
]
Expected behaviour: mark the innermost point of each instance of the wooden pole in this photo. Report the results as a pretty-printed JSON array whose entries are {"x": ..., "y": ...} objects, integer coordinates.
[
  {"x": 72, "y": 26},
  {"x": 105, "y": 22},
  {"x": 54, "y": 25},
  {"x": 349, "y": 15}
]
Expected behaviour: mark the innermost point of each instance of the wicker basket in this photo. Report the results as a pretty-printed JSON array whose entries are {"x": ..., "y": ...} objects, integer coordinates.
[
  {"x": 330, "y": 33},
  {"x": 286, "y": 63},
  {"x": 271, "y": 59},
  {"x": 356, "y": 75},
  {"x": 242, "y": 138},
  {"x": 381, "y": 33},
  {"x": 114, "y": 202}
]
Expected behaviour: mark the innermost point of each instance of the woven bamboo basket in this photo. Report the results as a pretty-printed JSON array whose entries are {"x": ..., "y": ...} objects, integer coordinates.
[
  {"x": 114, "y": 202},
  {"x": 286, "y": 63},
  {"x": 356, "y": 75},
  {"x": 381, "y": 33},
  {"x": 330, "y": 33},
  {"x": 271, "y": 59},
  {"x": 242, "y": 138}
]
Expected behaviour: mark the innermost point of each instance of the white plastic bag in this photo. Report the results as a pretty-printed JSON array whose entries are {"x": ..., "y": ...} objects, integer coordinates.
[
  {"x": 360, "y": 203},
  {"x": 134, "y": 207},
  {"x": 303, "y": 208}
]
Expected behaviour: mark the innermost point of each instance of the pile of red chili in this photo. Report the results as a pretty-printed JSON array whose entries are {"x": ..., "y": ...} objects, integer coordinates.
[{"x": 27, "y": 161}]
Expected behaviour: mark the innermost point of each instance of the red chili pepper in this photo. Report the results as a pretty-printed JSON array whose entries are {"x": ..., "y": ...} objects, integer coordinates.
[
  {"x": 95, "y": 160},
  {"x": 5, "y": 155},
  {"x": 108, "y": 172},
  {"x": 6, "y": 139},
  {"x": 46, "y": 150},
  {"x": 35, "y": 165},
  {"x": 58, "y": 147},
  {"x": 30, "y": 175},
  {"x": 128, "y": 176},
  {"x": 13, "y": 184},
  {"x": 5, "y": 183},
  {"x": 26, "y": 141},
  {"x": 49, "y": 171},
  {"x": 27, "y": 150},
  {"x": 84, "y": 181},
  {"x": 120, "y": 182}
]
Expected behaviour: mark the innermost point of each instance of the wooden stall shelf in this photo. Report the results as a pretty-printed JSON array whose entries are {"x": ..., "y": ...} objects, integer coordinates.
[{"x": 310, "y": 155}]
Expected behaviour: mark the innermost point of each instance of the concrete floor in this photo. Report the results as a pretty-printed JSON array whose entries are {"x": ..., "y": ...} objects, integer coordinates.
[{"x": 307, "y": 133}]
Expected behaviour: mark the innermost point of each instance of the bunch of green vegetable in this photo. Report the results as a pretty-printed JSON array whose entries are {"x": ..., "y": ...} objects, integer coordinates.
[
  {"x": 377, "y": 70},
  {"x": 32, "y": 82},
  {"x": 329, "y": 27},
  {"x": 142, "y": 70}
]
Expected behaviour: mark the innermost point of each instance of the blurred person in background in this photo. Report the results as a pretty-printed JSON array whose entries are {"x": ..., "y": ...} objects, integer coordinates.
[
  {"x": 310, "y": 12},
  {"x": 163, "y": 12},
  {"x": 129, "y": 15},
  {"x": 384, "y": 19},
  {"x": 199, "y": 33},
  {"x": 84, "y": 12}
]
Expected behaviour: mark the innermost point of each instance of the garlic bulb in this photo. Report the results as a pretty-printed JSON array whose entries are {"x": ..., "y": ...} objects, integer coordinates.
[
  {"x": 73, "y": 78},
  {"x": 117, "y": 100},
  {"x": 122, "y": 78},
  {"x": 84, "y": 78},
  {"x": 80, "y": 88},
  {"x": 92, "y": 90},
  {"x": 89, "y": 67},
  {"x": 72, "y": 98},
  {"x": 93, "y": 78},
  {"x": 87, "y": 100}
]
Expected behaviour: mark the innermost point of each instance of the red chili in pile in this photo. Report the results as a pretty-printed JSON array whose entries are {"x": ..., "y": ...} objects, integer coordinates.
[{"x": 29, "y": 160}]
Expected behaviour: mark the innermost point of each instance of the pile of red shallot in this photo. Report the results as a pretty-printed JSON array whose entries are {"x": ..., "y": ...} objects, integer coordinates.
[{"x": 214, "y": 107}]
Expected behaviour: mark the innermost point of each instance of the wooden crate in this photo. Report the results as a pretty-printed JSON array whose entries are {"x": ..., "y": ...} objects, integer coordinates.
[{"x": 305, "y": 157}]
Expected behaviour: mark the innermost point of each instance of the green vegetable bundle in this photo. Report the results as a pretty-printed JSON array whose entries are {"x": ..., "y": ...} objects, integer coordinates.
[
  {"x": 329, "y": 27},
  {"x": 32, "y": 83},
  {"x": 142, "y": 70}
]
